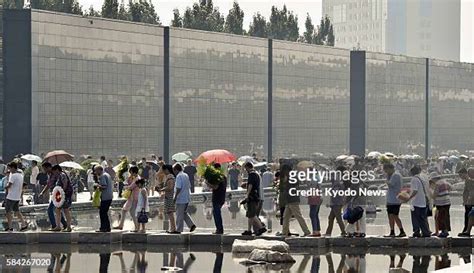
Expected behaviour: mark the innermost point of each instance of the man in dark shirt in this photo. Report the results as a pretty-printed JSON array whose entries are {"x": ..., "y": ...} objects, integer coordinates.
[
  {"x": 252, "y": 201},
  {"x": 218, "y": 200},
  {"x": 191, "y": 171}
]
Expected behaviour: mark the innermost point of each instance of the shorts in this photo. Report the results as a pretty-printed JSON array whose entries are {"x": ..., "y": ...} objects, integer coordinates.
[
  {"x": 67, "y": 203},
  {"x": 252, "y": 209},
  {"x": 11, "y": 205},
  {"x": 393, "y": 209}
]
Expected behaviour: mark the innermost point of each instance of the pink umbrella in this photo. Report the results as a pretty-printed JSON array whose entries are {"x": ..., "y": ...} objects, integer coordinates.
[
  {"x": 58, "y": 157},
  {"x": 217, "y": 156}
]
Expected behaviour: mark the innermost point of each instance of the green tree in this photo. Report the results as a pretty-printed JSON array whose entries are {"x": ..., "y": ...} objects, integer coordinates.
[
  {"x": 143, "y": 11},
  {"x": 325, "y": 35},
  {"x": 67, "y": 6},
  {"x": 123, "y": 13},
  {"x": 13, "y": 4},
  {"x": 203, "y": 16},
  {"x": 235, "y": 20},
  {"x": 93, "y": 12},
  {"x": 283, "y": 24},
  {"x": 177, "y": 20},
  {"x": 259, "y": 26},
  {"x": 308, "y": 35},
  {"x": 110, "y": 9}
]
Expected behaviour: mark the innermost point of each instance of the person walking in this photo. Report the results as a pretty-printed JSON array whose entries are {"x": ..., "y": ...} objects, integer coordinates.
[
  {"x": 191, "y": 171},
  {"x": 314, "y": 202},
  {"x": 143, "y": 207},
  {"x": 106, "y": 186},
  {"x": 394, "y": 183},
  {"x": 168, "y": 191},
  {"x": 131, "y": 203},
  {"x": 218, "y": 200},
  {"x": 336, "y": 202},
  {"x": 440, "y": 194},
  {"x": 234, "y": 175},
  {"x": 34, "y": 181},
  {"x": 292, "y": 207},
  {"x": 467, "y": 195},
  {"x": 91, "y": 181},
  {"x": 182, "y": 197},
  {"x": 51, "y": 183},
  {"x": 252, "y": 200},
  {"x": 419, "y": 204},
  {"x": 64, "y": 182},
  {"x": 12, "y": 202}
]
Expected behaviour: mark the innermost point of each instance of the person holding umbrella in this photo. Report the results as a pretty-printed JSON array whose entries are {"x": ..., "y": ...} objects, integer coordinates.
[
  {"x": 218, "y": 200},
  {"x": 64, "y": 182},
  {"x": 47, "y": 169}
]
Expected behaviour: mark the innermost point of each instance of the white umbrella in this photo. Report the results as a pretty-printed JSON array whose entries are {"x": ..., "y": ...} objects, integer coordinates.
[
  {"x": 443, "y": 157},
  {"x": 389, "y": 154},
  {"x": 31, "y": 157},
  {"x": 374, "y": 154},
  {"x": 71, "y": 164},
  {"x": 453, "y": 157},
  {"x": 341, "y": 157},
  {"x": 245, "y": 159}
]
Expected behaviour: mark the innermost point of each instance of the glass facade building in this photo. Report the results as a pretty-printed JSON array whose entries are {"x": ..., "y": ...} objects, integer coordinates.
[
  {"x": 395, "y": 103},
  {"x": 310, "y": 99},
  {"x": 96, "y": 85},
  {"x": 452, "y": 110},
  {"x": 106, "y": 87},
  {"x": 218, "y": 92}
]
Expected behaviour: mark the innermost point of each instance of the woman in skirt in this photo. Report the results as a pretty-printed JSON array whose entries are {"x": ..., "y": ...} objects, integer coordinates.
[{"x": 168, "y": 191}]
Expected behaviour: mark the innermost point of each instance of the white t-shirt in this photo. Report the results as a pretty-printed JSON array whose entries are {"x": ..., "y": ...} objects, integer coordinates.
[
  {"x": 14, "y": 191},
  {"x": 34, "y": 175},
  {"x": 417, "y": 185}
]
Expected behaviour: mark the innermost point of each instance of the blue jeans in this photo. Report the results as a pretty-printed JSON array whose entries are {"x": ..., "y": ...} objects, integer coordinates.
[
  {"x": 217, "y": 215},
  {"x": 314, "y": 216},
  {"x": 52, "y": 220},
  {"x": 419, "y": 220},
  {"x": 234, "y": 184}
]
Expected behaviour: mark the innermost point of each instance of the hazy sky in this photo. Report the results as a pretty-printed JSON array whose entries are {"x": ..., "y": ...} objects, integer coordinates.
[{"x": 300, "y": 7}]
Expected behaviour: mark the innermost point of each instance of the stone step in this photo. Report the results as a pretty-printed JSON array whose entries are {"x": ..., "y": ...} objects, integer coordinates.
[{"x": 226, "y": 240}]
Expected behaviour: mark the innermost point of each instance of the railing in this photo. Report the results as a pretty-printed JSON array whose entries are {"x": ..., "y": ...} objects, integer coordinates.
[{"x": 196, "y": 198}]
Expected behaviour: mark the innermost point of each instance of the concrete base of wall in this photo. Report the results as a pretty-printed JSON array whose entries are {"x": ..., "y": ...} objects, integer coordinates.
[{"x": 226, "y": 240}]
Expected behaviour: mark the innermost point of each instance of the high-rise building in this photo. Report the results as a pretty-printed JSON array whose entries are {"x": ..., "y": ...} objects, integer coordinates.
[{"x": 419, "y": 28}]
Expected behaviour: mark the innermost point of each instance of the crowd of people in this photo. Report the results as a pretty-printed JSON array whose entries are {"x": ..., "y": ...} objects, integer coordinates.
[{"x": 428, "y": 195}]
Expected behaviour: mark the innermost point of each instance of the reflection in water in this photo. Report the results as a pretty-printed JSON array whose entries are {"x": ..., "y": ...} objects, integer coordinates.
[
  {"x": 58, "y": 261},
  {"x": 421, "y": 264},
  {"x": 104, "y": 262},
  {"x": 175, "y": 259},
  {"x": 399, "y": 267},
  {"x": 174, "y": 262}
]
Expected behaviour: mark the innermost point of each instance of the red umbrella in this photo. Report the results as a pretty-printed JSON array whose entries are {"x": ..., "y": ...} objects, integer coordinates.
[
  {"x": 58, "y": 157},
  {"x": 217, "y": 156}
]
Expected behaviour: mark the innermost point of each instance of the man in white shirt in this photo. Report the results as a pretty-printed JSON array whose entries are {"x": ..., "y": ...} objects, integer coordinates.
[
  {"x": 182, "y": 189},
  {"x": 34, "y": 180},
  {"x": 12, "y": 202},
  {"x": 419, "y": 204}
]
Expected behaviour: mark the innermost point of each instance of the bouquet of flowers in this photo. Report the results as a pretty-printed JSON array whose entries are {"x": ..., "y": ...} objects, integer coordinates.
[
  {"x": 212, "y": 175},
  {"x": 121, "y": 168}
]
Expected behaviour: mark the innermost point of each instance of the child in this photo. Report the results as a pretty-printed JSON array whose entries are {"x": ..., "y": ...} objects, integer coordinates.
[{"x": 142, "y": 206}]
